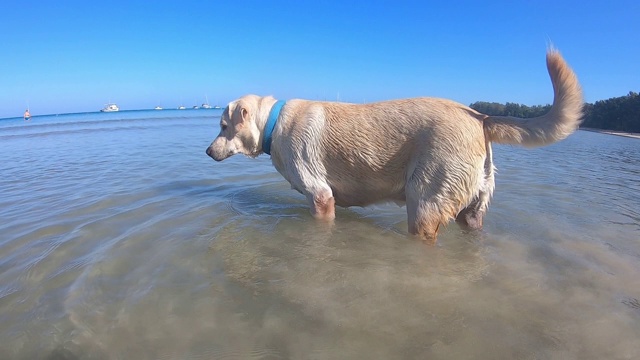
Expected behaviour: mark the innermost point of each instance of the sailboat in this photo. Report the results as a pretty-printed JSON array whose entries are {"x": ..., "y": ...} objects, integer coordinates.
[{"x": 206, "y": 104}]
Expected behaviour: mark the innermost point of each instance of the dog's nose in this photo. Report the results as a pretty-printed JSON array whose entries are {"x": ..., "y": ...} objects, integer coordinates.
[{"x": 209, "y": 151}]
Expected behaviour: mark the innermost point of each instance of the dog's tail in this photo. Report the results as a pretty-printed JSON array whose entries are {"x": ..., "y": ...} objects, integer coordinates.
[{"x": 562, "y": 120}]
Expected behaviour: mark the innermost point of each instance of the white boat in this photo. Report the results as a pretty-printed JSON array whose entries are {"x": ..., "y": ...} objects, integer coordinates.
[
  {"x": 110, "y": 108},
  {"x": 206, "y": 103},
  {"x": 157, "y": 108},
  {"x": 181, "y": 107},
  {"x": 195, "y": 107}
]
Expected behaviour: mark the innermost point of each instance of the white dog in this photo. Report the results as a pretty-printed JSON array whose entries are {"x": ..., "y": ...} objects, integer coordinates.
[{"x": 432, "y": 154}]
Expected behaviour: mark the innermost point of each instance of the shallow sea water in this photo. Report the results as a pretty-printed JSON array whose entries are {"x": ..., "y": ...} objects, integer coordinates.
[{"x": 121, "y": 239}]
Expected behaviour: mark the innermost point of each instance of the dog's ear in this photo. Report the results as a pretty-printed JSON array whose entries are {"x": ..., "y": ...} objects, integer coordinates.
[
  {"x": 230, "y": 110},
  {"x": 245, "y": 114},
  {"x": 242, "y": 112},
  {"x": 235, "y": 113}
]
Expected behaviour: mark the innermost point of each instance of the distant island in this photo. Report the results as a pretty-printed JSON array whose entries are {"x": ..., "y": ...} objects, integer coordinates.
[{"x": 617, "y": 114}]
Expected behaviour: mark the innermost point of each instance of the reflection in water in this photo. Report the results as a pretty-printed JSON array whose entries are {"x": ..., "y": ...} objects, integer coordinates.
[{"x": 143, "y": 248}]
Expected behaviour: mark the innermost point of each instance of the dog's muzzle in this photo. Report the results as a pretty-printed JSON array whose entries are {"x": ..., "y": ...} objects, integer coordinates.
[{"x": 217, "y": 155}]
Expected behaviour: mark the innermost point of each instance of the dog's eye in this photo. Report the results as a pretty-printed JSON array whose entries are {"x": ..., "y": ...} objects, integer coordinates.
[{"x": 223, "y": 127}]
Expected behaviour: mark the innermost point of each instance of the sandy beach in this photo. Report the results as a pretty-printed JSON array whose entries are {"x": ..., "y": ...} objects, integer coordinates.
[{"x": 612, "y": 132}]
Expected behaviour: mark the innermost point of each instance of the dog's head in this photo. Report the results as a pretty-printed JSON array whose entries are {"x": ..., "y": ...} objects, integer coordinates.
[{"x": 239, "y": 129}]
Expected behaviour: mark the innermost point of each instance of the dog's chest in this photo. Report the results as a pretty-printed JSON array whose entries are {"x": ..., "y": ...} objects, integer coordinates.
[{"x": 289, "y": 174}]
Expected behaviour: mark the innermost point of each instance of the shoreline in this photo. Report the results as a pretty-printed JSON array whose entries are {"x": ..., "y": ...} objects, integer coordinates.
[{"x": 613, "y": 132}]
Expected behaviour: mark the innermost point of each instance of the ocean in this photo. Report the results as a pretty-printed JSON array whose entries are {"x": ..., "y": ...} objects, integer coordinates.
[{"x": 121, "y": 239}]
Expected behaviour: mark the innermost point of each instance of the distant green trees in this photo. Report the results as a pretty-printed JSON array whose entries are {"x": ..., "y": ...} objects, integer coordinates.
[
  {"x": 619, "y": 113},
  {"x": 510, "y": 109}
]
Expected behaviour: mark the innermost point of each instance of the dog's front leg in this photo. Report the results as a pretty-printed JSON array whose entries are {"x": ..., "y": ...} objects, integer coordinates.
[{"x": 322, "y": 204}]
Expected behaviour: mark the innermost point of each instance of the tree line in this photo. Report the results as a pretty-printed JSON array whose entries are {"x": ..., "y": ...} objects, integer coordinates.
[{"x": 619, "y": 113}]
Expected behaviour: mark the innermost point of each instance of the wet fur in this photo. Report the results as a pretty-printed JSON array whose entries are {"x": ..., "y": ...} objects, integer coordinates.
[{"x": 433, "y": 155}]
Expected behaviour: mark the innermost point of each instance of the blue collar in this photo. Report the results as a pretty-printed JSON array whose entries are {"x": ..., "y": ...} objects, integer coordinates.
[{"x": 271, "y": 124}]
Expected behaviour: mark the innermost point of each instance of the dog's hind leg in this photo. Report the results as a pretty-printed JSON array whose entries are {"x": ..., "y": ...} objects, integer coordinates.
[
  {"x": 435, "y": 192},
  {"x": 427, "y": 206},
  {"x": 424, "y": 219},
  {"x": 472, "y": 215}
]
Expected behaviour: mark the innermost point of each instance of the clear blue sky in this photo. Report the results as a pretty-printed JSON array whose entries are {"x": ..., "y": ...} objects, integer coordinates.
[{"x": 74, "y": 56}]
